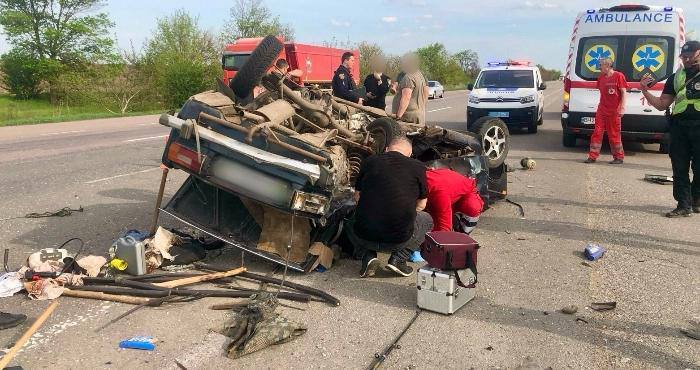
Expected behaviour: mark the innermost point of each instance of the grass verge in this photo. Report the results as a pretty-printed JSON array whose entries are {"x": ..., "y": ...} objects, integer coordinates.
[{"x": 27, "y": 112}]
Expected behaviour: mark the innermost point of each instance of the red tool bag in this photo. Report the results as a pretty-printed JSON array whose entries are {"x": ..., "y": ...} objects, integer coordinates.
[{"x": 449, "y": 250}]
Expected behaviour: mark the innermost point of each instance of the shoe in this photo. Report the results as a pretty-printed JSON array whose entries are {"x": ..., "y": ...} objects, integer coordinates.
[
  {"x": 696, "y": 206},
  {"x": 370, "y": 264},
  {"x": 399, "y": 266},
  {"x": 8, "y": 320},
  {"x": 616, "y": 161},
  {"x": 679, "y": 212},
  {"x": 589, "y": 160}
]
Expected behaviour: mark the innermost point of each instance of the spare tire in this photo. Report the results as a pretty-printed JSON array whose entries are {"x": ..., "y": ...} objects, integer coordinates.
[
  {"x": 257, "y": 65},
  {"x": 495, "y": 139},
  {"x": 382, "y": 130}
]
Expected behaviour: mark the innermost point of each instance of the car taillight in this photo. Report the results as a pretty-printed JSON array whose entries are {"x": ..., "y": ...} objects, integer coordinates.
[
  {"x": 567, "y": 95},
  {"x": 185, "y": 157}
]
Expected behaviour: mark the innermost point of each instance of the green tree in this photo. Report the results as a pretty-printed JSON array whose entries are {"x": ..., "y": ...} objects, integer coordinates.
[
  {"x": 438, "y": 64},
  {"x": 23, "y": 73},
  {"x": 469, "y": 62},
  {"x": 251, "y": 18},
  {"x": 367, "y": 52},
  {"x": 63, "y": 30},
  {"x": 183, "y": 58},
  {"x": 549, "y": 74}
]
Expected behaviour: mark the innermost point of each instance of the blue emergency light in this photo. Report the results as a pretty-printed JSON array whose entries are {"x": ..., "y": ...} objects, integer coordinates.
[
  {"x": 590, "y": 11},
  {"x": 668, "y": 9}
]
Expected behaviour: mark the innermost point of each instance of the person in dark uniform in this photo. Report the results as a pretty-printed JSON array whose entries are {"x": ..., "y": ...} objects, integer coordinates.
[
  {"x": 377, "y": 84},
  {"x": 682, "y": 89},
  {"x": 343, "y": 83}
]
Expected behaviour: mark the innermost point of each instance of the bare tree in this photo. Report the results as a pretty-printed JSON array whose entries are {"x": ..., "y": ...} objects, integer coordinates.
[{"x": 469, "y": 62}]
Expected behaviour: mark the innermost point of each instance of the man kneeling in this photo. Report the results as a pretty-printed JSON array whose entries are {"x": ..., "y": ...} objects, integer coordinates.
[
  {"x": 451, "y": 196},
  {"x": 391, "y": 194}
]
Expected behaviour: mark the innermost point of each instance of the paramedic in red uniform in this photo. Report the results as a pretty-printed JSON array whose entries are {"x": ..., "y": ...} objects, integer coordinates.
[
  {"x": 451, "y": 193},
  {"x": 612, "y": 86}
]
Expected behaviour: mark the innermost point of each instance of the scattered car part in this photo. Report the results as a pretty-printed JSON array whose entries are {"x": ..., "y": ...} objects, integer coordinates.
[
  {"x": 528, "y": 163},
  {"x": 494, "y": 139},
  {"x": 603, "y": 306},
  {"x": 659, "y": 179},
  {"x": 379, "y": 358}
]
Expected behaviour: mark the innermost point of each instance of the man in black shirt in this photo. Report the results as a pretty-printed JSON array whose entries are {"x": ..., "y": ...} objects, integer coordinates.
[
  {"x": 343, "y": 83},
  {"x": 682, "y": 89},
  {"x": 377, "y": 84},
  {"x": 391, "y": 193}
]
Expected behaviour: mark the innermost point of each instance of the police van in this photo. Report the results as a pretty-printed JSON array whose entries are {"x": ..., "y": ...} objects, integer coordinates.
[
  {"x": 510, "y": 90},
  {"x": 641, "y": 40}
]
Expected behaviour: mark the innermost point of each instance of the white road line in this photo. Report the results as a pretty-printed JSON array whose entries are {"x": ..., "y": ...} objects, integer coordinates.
[
  {"x": 62, "y": 133},
  {"x": 145, "y": 138},
  {"x": 146, "y": 124},
  {"x": 435, "y": 110},
  {"x": 122, "y": 175}
]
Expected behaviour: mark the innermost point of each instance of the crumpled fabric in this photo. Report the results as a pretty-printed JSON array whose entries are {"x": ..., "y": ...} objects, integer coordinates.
[
  {"x": 257, "y": 326},
  {"x": 158, "y": 248},
  {"x": 10, "y": 284},
  {"x": 43, "y": 289},
  {"x": 92, "y": 264}
]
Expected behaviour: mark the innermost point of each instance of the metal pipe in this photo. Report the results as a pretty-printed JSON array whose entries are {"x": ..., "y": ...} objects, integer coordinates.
[
  {"x": 372, "y": 110},
  {"x": 183, "y": 292},
  {"x": 159, "y": 199},
  {"x": 345, "y": 140}
]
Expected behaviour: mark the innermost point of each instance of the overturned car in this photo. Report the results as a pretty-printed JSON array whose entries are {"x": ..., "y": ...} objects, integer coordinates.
[{"x": 273, "y": 174}]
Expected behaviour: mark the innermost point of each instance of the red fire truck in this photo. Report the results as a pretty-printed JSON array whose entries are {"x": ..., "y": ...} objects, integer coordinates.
[{"x": 317, "y": 63}]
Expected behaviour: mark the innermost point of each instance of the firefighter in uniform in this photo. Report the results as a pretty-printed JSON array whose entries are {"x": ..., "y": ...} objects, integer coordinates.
[
  {"x": 343, "y": 82},
  {"x": 683, "y": 91}
]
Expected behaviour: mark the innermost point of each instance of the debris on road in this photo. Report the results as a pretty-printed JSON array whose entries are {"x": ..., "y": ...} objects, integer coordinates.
[
  {"x": 528, "y": 163},
  {"x": 569, "y": 310},
  {"x": 603, "y": 306},
  {"x": 257, "y": 326},
  {"x": 593, "y": 251},
  {"x": 63, "y": 212},
  {"x": 659, "y": 179},
  {"x": 140, "y": 342},
  {"x": 28, "y": 334}
]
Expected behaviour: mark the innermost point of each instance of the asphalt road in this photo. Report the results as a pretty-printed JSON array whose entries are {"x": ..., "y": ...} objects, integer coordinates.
[{"x": 529, "y": 267}]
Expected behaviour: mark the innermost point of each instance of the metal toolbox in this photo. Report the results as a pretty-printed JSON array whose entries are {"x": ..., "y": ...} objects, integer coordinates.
[{"x": 438, "y": 290}]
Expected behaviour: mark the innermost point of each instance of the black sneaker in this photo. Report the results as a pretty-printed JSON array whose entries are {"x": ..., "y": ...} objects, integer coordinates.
[
  {"x": 589, "y": 160},
  {"x": 8, "y": 320},
  {"x": 679, "y": 212},
  {"x": 616, "y": 161},
  {"x": 696, "y": 206},
  {"x": 399, "y": 266},
  {"x": 370, "y": 264}
]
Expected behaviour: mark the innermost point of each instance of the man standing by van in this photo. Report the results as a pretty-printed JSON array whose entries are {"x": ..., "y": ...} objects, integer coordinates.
[
  {"x": 608, "y": 118},
  {"x": 682, "y": 89}
]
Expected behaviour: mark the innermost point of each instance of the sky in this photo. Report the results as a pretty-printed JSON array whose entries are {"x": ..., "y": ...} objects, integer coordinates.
[{"x": 495, "y": 29}]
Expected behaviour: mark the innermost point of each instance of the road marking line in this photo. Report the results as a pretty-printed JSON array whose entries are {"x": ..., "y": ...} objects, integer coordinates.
[
  {"x": 435, "y": 110},
  {"x": 122, "y": 175},
  {"x": 62, "y": 133},
  {"x": 146, "y": 124},
  {"x": 145, "y": 138}
]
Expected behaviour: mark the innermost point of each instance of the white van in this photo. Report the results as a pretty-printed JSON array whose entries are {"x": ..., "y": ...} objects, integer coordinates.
[
  {"x": 641, "y": 40},
  {"x": 511, "y": 91}
]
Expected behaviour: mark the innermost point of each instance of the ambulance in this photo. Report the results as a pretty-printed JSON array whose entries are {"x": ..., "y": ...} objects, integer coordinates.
[{"x": 641, "y": 40}]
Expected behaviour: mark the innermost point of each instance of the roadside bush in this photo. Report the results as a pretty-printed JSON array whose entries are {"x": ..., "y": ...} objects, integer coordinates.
[
  {"x": 178, "y": 79},
  {"x": 23, "y": 74}
]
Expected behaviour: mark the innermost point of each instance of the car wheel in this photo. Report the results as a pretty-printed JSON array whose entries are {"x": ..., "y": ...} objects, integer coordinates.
[
  {"x": 495, "y": 139},
  {"x": 442, "y": 95},
  {"x": 382, "y": 130},
  {"x": 663, "y": 148},
  {"x": 532, "y": 128},
  {"x": 541, "y": 120},
  {"x": 257, "y": 65},
  {"x": 568, "y": 140}
]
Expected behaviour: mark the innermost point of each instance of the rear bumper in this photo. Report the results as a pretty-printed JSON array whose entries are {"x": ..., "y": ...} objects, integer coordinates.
[
  {"x": 645, "y": 129},
  {"x": 516, "y": 116}
]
